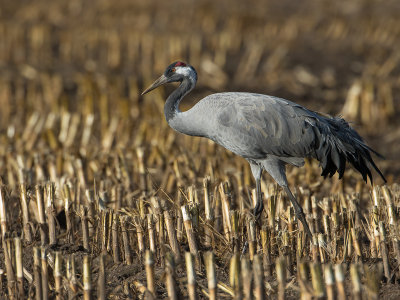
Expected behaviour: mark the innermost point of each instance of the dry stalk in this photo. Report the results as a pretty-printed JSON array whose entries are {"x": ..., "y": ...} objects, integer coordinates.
[
  {"x": 356, "y": 244},
  {"x": 281, "y": 277},
  {"x": 265, "y": 243},
  {"x": 327, "y": 226},
  {"x": 218, "y": 219},
  {"x": 115, "y": 240},
  {"x": 299, "y": 246},
  {"x": 247, "y": 278},
  {"x": 322, "y": 246},
  {"x": 208, "y": 213},
  {"x": 225, "y": 200},
  {"x": 149, "y": 264},
  {"x": 104, "y": 229},
  {"x": 315, "y": 248},
  {"x": 42, "y": 219},
  {"x": 1, "y": 278},
  {"x": 101, "y": 281},
  {"x": 194, "y": 207},
  {"x": 211, "y": 275},
  {"x": 329, "y": 281},
  {"x": 25, "y": 213},
  {"x": 315, "y": 215},
  {"x": 356, "y": 282},
  {"x": 317, "y": 280},
  {"x": 150, "y": 230},
  {"x": 90, "y": 203},
  {"x": 58, "y": 275},
  {"x": 371, "y": 235},
  {"x": 234, "y": 216},
  {"x": 71, "y": 277},
  {"x": 68, "y": 213},
  {"x": 190, "y": 234},
  {"x": 19, "y": 267},
  {"x": 375, "y": 228},
  {"x": 373, "y": 277},
  {"x": 87, "y": 281},
  {"x": 6, "y": 250},
  {"x": 171, "y": 284},
  {"x": 191, "y": 276},
  {"x": 142, "y": 170},
  {"x": 51, "y": 212},
  {"x": 37, "y": 266},
  {"x": 384, "y": 251},
  {"x": 390, "y": 206},
  {"x": 251, "y": 236},
  {"x": 339, "y": 278},
  {"x": 179, "y": 219},
  {"x": 85, "y": 229},
  {"x": 258, "y": 274},
  {"x": 109, "y": 225},
  {"x": 302, "y": 276},
  {"x": 173, "y": 242},
  {"x": 45, "y": 275},
  {"x": 80, "y": 173},
  {"x": 125, "y": 240},
  {"x": 234, "y": 275},
  {"x": 287, "y": 251},
  {"x": 139, "y": 232},
  {"x": 161, "y": 237},
  {"x": 393, "y": 221}
]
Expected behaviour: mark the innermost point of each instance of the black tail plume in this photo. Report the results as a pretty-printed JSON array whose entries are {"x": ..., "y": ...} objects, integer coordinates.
[{"x": 338, "y": 143}]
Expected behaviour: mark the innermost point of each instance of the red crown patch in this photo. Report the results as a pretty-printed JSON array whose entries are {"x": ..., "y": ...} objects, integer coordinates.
[{"x": 180, "y": 64}]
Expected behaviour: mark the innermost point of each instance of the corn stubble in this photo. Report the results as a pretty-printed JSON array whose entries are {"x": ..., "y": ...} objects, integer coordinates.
[{"x": 99, "y": 198}]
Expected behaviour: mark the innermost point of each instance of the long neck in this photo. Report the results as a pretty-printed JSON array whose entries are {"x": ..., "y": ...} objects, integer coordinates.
[
  {"x": 171, "y": 108},
  {"x": 188, "y": 122}
]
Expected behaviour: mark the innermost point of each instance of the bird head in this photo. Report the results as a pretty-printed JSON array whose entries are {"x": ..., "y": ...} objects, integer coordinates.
[{"x": 175, "y": 72}]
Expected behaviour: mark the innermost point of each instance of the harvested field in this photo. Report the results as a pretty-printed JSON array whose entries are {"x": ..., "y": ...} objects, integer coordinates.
[{"x": 99, "y": 198}]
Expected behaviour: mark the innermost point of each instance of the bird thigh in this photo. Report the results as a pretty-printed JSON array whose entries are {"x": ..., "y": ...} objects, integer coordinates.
[
  {"x": 276, "y": 169},
  {"x": 256, "y": 169}
]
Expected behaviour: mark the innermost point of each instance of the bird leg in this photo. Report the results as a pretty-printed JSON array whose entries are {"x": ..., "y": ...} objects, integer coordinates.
[
  {"x": 258, "y": 208},
  {"x": 260, "y": 204},
  {"x": 298, "y": 210}
]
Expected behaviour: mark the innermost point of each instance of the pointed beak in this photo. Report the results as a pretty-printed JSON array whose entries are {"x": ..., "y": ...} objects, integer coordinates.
[{"x": 160, "y": 81}]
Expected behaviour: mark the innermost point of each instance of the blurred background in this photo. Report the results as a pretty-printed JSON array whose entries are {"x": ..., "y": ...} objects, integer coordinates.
[
  {"x": 72, "y": 120},
  {"x": 72, "y": 71}
]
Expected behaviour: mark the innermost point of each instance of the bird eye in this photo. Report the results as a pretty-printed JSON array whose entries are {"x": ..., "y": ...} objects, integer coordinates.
[{"x": 173, "y": 70}]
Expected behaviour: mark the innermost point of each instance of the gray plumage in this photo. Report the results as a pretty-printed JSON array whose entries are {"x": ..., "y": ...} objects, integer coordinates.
[
  {"x": 259, "y": 127},
  {"x": 269, "y": 132}
]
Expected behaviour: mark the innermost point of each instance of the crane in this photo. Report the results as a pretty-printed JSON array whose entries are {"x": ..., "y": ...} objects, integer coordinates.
[{"x": 267, "y": 131}]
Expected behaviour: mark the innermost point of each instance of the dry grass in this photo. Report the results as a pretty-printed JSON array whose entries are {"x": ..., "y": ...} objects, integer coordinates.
[{"x": 92, "y": 173}]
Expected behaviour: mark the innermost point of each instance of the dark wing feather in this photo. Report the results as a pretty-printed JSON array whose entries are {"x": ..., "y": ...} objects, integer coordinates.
[{"x": 338, "y": 143}]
